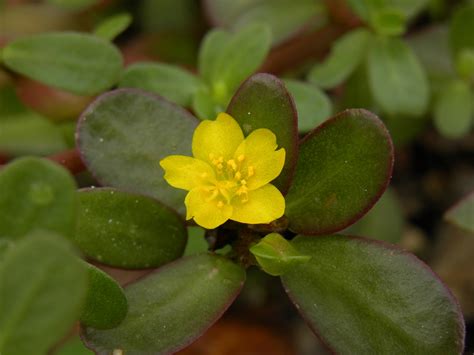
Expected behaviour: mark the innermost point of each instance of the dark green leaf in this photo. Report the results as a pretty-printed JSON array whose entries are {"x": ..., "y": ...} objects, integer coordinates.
[
  {"x": 365, "y": 297},
  {"x": 106, "y": 305},
  {"x": 312, "y": 104},
  {"x": 263, "y": 102},
  {"x": 124, "y": 134},
  {"x": 461, "y": 29},
  {"x": 36, "y": 194},
  {"x": 397, "y": 80},
  {"x": 346, "y": 54},
  {"x": 343, "y": 168},
  {"x": 77, "y": 62},
  {"x": 113, "y": 26},
  {"x": 388, "y": 22},
  {"x": 127, "y": 230},
  {"x": 170, "y": 308},
  {"x": 462, "y": 214},
  {"x": 453, "y": 109},
  {"x": 384, "y": 221},
  {"x": 43, "y": 286},
  {"x": 169, "y": 81}
]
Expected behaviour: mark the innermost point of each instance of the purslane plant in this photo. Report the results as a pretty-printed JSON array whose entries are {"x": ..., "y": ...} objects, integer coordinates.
[{"x": 359, "y": 295}]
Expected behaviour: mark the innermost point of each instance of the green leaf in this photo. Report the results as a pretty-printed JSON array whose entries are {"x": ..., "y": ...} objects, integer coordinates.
[
  {"x": 112, "y": 26},
  {"x": 346, "y": 55},
  {"x": 126, "y": 230},
  {"x": 211, "y": 47},
  {"x": 462, "y": 214},
  {"x": 169, "y": 81},
  {"x": 365, "y": 297},
  {"x": 343, "y": 168},
  {"x": 73, "y": 347},
  {"x": 388, "y": 22},
  {"x": 396, "y": 78},
  {"x": 36, "y": 194},
  {"x": 197, "y": 242},
  {"x": 105, "y": 306},
  {"x": 465, "y": 64},
  {"x": 453, "y": 109},
  {"x": 124, "y": 134},
  {"x": 383, "y": 222},
  {"x": 410, "y": 8},
  {"x": 77, "y": 62},
  {"x": 30, "y": 134},
  {"x": 276, "y": 255},
  {"x": 43, "y": 286},
  {"x": 170, "y": 308},
  {"x": 243, "y": 54},
  {"x": 461, "y": 28},
  {"x": 263, "y": 102},
  {"x": 204, "y": 106},
  {"x": 312, "y": 104}
]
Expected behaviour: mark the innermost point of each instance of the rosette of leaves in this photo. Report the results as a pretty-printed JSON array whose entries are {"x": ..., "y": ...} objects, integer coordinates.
[
  {"x": 447, "y": 52},
  {"x": 359, "y": 295},
  {"x": 374, "y": 63}
]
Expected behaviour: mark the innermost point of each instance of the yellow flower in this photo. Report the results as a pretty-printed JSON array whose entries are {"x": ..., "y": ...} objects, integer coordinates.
[{"x": 229, "y": 176}]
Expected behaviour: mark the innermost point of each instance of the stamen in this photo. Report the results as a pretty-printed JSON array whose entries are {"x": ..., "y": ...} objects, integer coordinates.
[
  {"x": 243, "y": 182},
  {"x": 251, "y": 171},
  {"x": 220, "y": 166},
  {"x": 241, "y": 157},
  {"x": 238, "y": 175},
  {"x": 232, "y": 164}
]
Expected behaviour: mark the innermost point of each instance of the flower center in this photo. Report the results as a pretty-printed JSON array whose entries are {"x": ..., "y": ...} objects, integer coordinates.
[{"x": 231, "y": 180}]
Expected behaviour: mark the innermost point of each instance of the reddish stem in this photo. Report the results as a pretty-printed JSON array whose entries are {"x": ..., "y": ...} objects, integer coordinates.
[{"x": 70, "y": 159}]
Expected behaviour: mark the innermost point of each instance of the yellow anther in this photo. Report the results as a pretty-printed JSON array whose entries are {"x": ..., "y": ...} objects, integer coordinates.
[
  {"x": 243, "y": 182},
  {"x": 220, "y": 204},
  {"x": 238, "y": 175},
  {"x": 241, "y": 157},
  {"x": 220, "y": 159},
  {"x": 232, "y": 164},
  {"x": 220, "y": 166},
  {"x": 251, "y": 171}
]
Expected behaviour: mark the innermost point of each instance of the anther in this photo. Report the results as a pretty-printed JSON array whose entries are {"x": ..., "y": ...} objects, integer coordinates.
[
  {"x": 238, "y": 175},
  {"x": 241, "y": 157},
  {"x": 251, "y": 171},
  {"x": 243, "y": 182},
  {"x": 232, "y": 164}
]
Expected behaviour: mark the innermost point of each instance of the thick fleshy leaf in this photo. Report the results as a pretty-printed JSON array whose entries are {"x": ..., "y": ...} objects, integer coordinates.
[
  {"x": 409, "y": 8},
  {"x": 343, "y": 168},
  {"x": 169, "y": 81},
  {"x": 396, "y": 78},
  {"x": 365, "y": 297},
  {"x": 461, "y": 29},
  {"x": 74, "y": 346},
  {"x": 197, "y": 242},
  {"x": 127, "y": 230},
  {"x": 211, "y": 46},
  {"x": 383, "y": 222},
  {"x": 36, "y": 194},
  {"x": 453, "y": 109},
  {"x": 113, "y": 26},
  {"x": 124, "y": 134},
  {"x": 312, "y": 104},
  {"x": 170, "y": 308},
  {"x": 346, "y": 54},
  {"x": 263, "y": 102},
  {"x": 105, "y": 306},
  {"x": 243, "y": 54},
  {"x": 28, "y": 133},
  {"x": 43, "y": 285},
  {"x": 462, "y": 214},
  {"x": 77, "y": 62}
]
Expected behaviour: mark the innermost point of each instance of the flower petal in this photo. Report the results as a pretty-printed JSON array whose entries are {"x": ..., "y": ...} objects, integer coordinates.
[
  {"x": 219, "y": 138},
  {"x": 206, "y": 213},
  {"x": 185, "y": 172},
  {"x": 264, "y": 205},
  {"x": 260, "y": 155}
]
